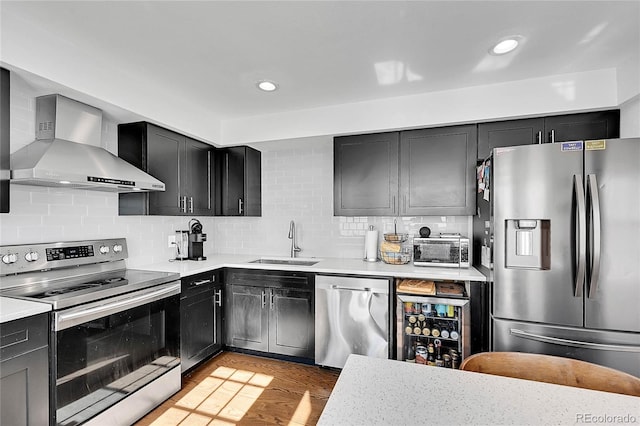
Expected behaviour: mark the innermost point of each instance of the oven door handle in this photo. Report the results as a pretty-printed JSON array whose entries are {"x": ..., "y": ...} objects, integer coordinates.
[{"x": 82, "y": 314}]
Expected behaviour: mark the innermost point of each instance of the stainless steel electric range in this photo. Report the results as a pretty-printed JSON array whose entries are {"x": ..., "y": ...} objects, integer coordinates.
[{"x": 115, "y": 332}]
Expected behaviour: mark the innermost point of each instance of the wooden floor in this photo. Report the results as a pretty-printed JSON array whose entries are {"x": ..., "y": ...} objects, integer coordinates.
[{"x": 239, "y": 389}]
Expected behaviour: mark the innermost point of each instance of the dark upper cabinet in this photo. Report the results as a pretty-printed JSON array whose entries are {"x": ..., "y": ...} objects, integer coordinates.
[
  {"x": 437, "y": 171},
  {"x": 560, "y": 128},
  {"x": 416, "y": 172},
  {"x": 186, "y": 167},
  {"x": 240, "y": 181},
  {"x": 4, "y": 140},
  {"x": 509, "y": 133},
  {"x": 366, "y": 174},
  {"x": 589, "y": 125}
]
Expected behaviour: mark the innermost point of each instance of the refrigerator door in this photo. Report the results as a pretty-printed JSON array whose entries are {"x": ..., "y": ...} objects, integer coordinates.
[
  {"x": 612, "y": 349},
  {"x": 536, "y": 191},
  {"x": 612, "y": 293}
]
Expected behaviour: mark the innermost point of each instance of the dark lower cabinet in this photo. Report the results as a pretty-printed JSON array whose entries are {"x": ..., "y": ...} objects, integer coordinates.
[
  {"x": 201, "y": 318},
  {"x": 270, "y": 311},
  {"x": 24, "y": 371}
]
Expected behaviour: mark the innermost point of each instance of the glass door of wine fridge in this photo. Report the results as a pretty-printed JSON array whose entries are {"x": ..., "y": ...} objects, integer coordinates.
[{"x": 433, "y": 330}]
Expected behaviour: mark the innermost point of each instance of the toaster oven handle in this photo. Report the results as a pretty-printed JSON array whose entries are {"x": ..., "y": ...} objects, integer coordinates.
[{"x": 82, "y": 314}]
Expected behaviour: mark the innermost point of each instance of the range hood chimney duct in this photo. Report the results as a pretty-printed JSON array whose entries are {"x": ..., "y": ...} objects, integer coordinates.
[{"x": 67, "y": 152}]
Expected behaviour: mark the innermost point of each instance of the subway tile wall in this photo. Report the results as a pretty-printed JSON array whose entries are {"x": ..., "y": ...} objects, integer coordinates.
[{"x": 297, "y": 184}]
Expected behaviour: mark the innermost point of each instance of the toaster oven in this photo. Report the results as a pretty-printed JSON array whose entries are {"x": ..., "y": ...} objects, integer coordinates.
[{"x": 447, "y": 250}]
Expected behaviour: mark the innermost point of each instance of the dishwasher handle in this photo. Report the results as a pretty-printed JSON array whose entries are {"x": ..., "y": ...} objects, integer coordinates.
[
  {"x": 337, "y": 287},
  {"x": 379, "y": 286}
]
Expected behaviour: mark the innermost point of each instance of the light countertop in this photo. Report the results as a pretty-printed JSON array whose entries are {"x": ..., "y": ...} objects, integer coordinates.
[
  {"x": 324, "y": 265},
  {"x": 13, "y": 309},
  {"x": 372, "y": 391}
]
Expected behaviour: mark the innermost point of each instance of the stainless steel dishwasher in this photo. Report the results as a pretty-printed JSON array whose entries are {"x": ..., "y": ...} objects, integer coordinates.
[{"x": 352, "y": 317}]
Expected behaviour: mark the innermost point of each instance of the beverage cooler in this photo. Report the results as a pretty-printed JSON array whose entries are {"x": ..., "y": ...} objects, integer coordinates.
[{"x": 433, "y": 330}]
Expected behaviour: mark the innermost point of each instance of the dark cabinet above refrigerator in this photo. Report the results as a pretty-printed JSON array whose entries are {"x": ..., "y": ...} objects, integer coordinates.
[{"x": 559, "y": 128}]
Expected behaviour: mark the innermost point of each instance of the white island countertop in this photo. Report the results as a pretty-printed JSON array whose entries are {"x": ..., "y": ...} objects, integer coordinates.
[
  {"x": 325, "y": 265},
  {"x": 372, "y": 391}
]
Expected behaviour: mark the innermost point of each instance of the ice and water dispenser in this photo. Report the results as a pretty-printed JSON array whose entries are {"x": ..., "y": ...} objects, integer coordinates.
[{"x": 528, "y": 244}]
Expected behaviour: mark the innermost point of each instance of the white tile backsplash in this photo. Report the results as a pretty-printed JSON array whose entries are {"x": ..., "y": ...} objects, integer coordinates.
[{"x": 297, "y": 184}]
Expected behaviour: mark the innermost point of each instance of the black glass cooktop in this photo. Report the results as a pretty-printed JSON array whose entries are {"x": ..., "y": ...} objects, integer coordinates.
[
  {"x": 88, "y": 287},
  {"x": 77, "y": 290}
]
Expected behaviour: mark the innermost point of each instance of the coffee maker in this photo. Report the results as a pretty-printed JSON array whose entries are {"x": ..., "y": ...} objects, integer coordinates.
[{"x": 196, "y": 240}]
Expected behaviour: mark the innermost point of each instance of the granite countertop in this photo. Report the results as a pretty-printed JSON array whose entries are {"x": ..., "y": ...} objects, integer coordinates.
[
  {"x": 13, "y": 309},
  {"x": 372, "y": 391},
  {"x": 324, "y": 265}
]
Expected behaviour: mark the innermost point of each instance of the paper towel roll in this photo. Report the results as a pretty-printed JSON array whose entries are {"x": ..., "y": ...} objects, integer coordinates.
[{"x": 371, "y": 245}]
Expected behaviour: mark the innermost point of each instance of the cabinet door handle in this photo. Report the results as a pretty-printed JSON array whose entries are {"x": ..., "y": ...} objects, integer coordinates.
[
  {"x": 183, "y": 204},
  {"x": 393, "y": 201},
  {"x": 539, "y": 137},
  {"x": 240, "y": 205},
  {"x": 219, "y": 298},
  {"x": 264, "y": 299},
  {"x": 190, "y": 204},
  {"x": 201, "y": 282},
  {"x": 271, "y": 300},
  {"x": 553, "y": 136},
  {"x": 208, "y": 180}
]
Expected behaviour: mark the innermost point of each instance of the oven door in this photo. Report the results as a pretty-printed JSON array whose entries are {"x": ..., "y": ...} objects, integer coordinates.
[{"x": 107, "y": 350}]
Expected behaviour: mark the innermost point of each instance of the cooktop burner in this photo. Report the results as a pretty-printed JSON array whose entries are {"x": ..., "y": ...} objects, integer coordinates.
[{"x": 90, "y": 286}]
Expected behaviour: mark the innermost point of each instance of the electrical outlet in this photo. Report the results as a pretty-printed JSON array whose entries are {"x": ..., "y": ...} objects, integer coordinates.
[{"x": 171, "y": 241}]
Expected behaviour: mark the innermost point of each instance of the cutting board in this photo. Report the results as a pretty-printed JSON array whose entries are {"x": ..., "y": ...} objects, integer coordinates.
[
  {"x": 417, "y": 287},
  {"x": 450, "y": 289}
]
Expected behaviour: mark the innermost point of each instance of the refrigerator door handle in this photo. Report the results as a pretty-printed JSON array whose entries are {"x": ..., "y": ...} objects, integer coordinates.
[
  {"x": 581, "y": 235},
  {"x": 573, "y": 343},
  {"x": 594, "y": 198}
]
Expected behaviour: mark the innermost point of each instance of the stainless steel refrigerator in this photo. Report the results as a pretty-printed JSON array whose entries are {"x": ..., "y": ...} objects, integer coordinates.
[{"x": 566, "y": 251}]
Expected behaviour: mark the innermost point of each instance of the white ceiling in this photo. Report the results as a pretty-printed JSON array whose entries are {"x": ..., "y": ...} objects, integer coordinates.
[{"x": 322, "y": 53}]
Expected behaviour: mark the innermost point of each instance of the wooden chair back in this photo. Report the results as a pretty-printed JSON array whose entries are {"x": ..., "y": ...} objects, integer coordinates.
[{"x": 553, "y": 369}]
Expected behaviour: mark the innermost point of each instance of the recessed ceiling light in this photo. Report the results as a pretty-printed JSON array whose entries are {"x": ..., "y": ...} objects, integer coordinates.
[
  {"x": 505, "y": 46},
  {"x": 267, "y": 86}
]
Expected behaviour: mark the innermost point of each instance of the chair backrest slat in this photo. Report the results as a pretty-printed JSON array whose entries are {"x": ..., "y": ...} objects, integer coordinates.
[{"x": 553, "y": 369}]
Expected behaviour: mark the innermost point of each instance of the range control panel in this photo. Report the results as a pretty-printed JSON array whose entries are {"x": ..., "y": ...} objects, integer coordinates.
[{"x": 36, "y": 257}]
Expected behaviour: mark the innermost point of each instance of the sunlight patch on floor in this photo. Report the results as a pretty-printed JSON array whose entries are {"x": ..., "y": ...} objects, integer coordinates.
[
  {"x": 303, "y": 411},
  {"x": 221, "y": 399}
]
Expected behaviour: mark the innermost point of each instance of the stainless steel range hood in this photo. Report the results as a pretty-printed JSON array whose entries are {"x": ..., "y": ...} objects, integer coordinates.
[{"x": 67, "y": 152}]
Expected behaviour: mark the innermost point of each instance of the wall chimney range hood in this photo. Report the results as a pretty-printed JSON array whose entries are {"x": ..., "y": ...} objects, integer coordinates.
[{"x": 67, "y": 152}]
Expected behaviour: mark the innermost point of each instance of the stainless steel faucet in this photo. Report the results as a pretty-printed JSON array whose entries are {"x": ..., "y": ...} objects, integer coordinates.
[{"x": 292, "y": 236}]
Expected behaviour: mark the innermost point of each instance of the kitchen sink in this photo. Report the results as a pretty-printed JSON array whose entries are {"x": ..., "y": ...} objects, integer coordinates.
[{"x": 286, "y": 261}]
